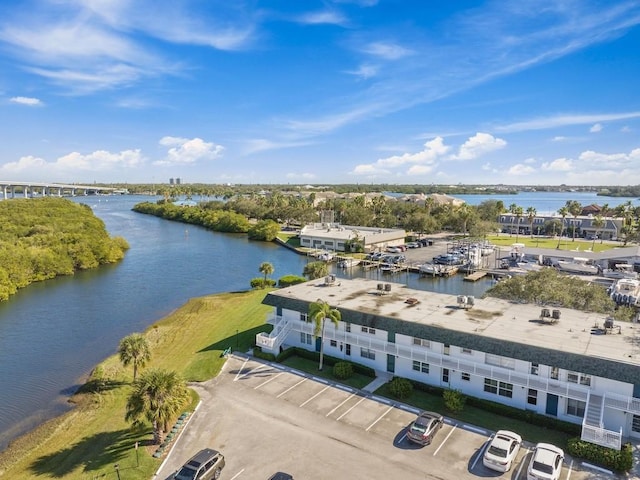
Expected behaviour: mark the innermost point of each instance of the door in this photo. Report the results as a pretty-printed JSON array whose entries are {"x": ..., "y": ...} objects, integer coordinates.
[
  {"x": 552, "y": 404},
  {"x": 391, "y": 363},
  {"x": 318, "y": 343}
]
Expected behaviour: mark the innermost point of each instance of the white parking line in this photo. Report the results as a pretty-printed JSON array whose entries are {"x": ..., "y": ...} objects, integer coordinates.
[
  {"x": 481, "y": 453},
  {"x": 354, "y": 406},
  {"x": 267, "y": 381},
  {"x": 237, "y": 474},
  {"x": 291, "y": 387},
  {"x": 444, "y": 441},
  {"x": 253, "y": 370},
  {"x": 570, "y": 467},
  {"x": 403, "y": 437},
  {"x": 379, "y": 418},
  {"x": 345, "y": 401},
  {"x": 240, "y": 370},
  {"x": 309, "y": 399}
]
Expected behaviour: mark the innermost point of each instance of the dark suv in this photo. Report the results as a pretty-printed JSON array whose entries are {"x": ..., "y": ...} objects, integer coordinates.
[
  {"x": 280, "y": 476},
  {"x": 204, "y": 465}
]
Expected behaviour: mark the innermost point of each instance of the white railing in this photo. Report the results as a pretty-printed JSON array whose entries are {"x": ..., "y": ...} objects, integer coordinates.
[
  {"x": 622, "y": 402},
  {"x": 281, "y": 328},
  {"x": 601, "y": 436}
]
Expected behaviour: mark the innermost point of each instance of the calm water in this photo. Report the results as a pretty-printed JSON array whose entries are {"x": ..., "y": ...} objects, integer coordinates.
[{"x": 53, "y": 333}]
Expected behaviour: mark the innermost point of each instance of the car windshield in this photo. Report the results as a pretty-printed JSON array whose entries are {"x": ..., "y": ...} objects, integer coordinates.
[
  {"x": 419, "y": 427},
  {"x": 497, "y": 451},
  {"x": 186, "y": 473},
  {"x": 542, "y": 467}
]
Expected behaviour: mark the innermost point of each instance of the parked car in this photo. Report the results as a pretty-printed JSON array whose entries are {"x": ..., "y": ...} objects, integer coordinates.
[
  {"x": 546, "y": 462},
  {"x": 207, "y": 464},
  {"x": 414, "y": 245},
  {"x": 424, "y": 428},
  {"x": 502, "y": 451},
  {"x": 280, "y": 476},
  {"x": 394, "y": 250}
]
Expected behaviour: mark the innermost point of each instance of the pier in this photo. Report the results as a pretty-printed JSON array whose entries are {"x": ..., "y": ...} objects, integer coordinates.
[{"x": 475, "y": 276}]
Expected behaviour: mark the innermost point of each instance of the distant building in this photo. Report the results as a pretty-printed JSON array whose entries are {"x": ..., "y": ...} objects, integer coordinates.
[{"x": 333, "y": 236}]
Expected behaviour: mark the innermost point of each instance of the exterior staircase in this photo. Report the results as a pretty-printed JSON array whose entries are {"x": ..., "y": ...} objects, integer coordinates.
[
  {"x": 593, "y": 415},
  {"x": 593, "y": 428}
]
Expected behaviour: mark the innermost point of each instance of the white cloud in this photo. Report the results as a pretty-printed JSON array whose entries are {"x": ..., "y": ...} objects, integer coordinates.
[
  {"x": 432, "y": 150},
  {"x": 625, "y": 129},
  {"x": 101, "y": 160},
  {"x": 28, "y": 101},
  {"x": 24, "y": 164},
  {"x": 365, "y": 71},
  {"x": 478, "y": 145},
  {"x": 559, "y": 138},
  {"x": 618, "y": 161},
  {"x": 387, "y": 51},
  {"x": 563, "y": 121},
  {"x": 558, "y": 165},
  {"x": 262, "y": 144},
  {"x": 324, "y": 17},
  {"x": 420, "y": 169},
  {"x": 186, "y": 151},
  {"x": 521, "y": 169},
  {"x": 596, "y": 128},
  {"x": 529, "y": 160}
]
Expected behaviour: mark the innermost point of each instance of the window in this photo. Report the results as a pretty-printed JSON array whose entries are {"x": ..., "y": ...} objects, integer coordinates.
[
  {"x": 421, "y": 342},
  {"x": 347, "y": 349},
  {"x": 585, "y": 380},
  {"x": 500, "y": 361},
  {"x": 490, "y": 385},
  {"x": 575, "y": 407},
  {"x": 447, "y": 348},
  {"x": 445, "y": 375},
  {"x": 303, "y": 317},
  {"x": 306, "y": 338},
  {"x": 366, "y": 353},
  {"x": 635, "y": 423},
  {"x": 369, "y": 330},
  {"x": 581, "y": 378},
  {"x": 555, "y": 373},
  {"x": 333, "y": 343},
  {"x": 347, "y": 327},
  {"x": 465, "y": 376},
  {"x": 501, "y": 388},
  {"x": 466, "y": 350},
  {"x": 572, "y": 377},
  {"x": 534, "y": 369},
  {"x": 532, "y": 397},
  {"x": 420, "y": 366}
]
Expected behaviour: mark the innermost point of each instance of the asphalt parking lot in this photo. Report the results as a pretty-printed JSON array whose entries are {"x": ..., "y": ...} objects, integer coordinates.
[{"x": 265, "y": 418}]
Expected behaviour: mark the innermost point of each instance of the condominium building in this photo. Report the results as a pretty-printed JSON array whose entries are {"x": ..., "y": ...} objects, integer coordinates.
[{"x": 576, "y": 366}]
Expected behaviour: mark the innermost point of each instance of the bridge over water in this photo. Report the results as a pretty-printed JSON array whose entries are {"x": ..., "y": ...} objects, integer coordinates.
[{"x": 11, "y": 189}]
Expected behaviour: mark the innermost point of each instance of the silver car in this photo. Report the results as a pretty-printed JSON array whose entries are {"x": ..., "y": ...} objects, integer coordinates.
[
  {"x": 424, "y": 428},
  {"x": 502, "y": 451}
]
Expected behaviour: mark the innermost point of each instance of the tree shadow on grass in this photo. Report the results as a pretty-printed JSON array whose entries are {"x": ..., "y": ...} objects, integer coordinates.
[
  {"x": 97, "y": 452},
  {"x": 242, "y": 341}
]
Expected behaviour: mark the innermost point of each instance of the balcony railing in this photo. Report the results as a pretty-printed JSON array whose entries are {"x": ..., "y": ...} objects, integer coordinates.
[{"x": 602, "y": 436}]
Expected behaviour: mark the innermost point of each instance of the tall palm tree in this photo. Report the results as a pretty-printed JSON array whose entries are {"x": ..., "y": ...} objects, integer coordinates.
[
  {"x": 574, "y": 209},
  {"x": 531, "y": 216},
  {"x": 519, "y": 212},
  {"x": 512, "y": 210},
  {"x": 319, "y": 312},
  {"x": 465, "y": 214},
  {"x": 563, "y": 211},
  {"x": 598, "y": 223},
  {"x": 266, "y": 269},
  {"x": 157, "y": 396},
  {"x": 134, "y": 349}
]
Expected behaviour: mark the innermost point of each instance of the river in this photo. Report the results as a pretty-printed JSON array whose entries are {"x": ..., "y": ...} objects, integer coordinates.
[{"x": 53, "y": 333}]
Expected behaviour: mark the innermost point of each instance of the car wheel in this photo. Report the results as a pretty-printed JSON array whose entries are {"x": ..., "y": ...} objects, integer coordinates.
[{"x": 216, "y": 474}]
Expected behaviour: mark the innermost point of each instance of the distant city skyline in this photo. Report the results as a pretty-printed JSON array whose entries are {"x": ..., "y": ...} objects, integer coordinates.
[{"x": 532, "y": 92}]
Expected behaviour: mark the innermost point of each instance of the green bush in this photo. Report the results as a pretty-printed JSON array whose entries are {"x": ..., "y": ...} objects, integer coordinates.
[
  {"x": 259, "y": 282},
  {"x": 617, "y": 460},
  {"x": 454, "y": 400},
  {"x": 288, "y": 280},
  {"x": 343, "y": 370},
  {"x": 331, "y": 361},
  {"x": 400, "y": 388},
  {"x": 258, "y": 353}
]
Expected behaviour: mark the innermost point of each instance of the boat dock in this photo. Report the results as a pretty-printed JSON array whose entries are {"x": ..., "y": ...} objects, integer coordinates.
[{"x": 475, "y": 276}]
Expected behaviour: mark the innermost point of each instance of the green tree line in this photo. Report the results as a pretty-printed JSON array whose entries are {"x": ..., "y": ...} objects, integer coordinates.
[{"x": 46, "y": 237}]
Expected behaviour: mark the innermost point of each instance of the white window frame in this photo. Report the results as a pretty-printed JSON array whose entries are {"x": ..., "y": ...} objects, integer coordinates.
[{"x": 419, "y": 366}]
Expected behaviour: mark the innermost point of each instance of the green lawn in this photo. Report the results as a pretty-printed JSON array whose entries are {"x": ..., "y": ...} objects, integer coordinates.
[
  {"x": 88, "y": 441},
  {"x": 356, "y": 381},
  {"x": 563, "y": 243}
]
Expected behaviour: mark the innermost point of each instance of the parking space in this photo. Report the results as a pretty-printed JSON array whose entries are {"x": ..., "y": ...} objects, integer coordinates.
[{"x": 285, "y": 412}]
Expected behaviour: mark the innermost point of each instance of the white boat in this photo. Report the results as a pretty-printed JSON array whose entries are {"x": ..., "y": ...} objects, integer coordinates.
[
  {"x": 578, "y": 265},
  {"x": 620, "y": 270},
  {"x": 348, "y": 262},
  {"x": 429, "y": 269},
  {"x": 626, "y": 291}
]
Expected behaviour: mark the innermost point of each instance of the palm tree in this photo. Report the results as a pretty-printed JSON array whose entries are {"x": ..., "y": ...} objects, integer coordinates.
[
  {"x": 134, "y": 349},
  {"x": 314, "y": 270},
  {"x": 318, "y": 312},
  {"x": 519, "y": 212},
  {"x": 512, "y": 210},
  {"x": 157, "y": 396},
  {"x": 574, "y": 209},
  {"x": 598, "y": 223},
  {"x": 266, "y": 269},
  {"x": 531, "y": 216},
  {"x": 563, "y": 211},
  {"x": 465, "y": 214}
]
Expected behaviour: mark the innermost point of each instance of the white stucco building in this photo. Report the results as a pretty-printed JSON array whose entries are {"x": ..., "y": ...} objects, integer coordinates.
[
  {"x": 333, "y": 236},
  {"x": 571, "y": 367}
]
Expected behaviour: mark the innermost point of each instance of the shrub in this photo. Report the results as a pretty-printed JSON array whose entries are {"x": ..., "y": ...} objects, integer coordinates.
[
  {"x": 258, "y": 353},
  {"x": 288, "y": 280},
  {"x": 343, "y": 370},
  {"x": 400, "y": 388},
  {"x": 454, "y": 400},
  {"x": 618, "y": 460},
  {"x": 257, "y": 283}
]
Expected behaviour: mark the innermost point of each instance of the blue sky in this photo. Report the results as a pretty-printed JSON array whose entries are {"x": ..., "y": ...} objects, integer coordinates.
[{"x": 320, "y": 92}]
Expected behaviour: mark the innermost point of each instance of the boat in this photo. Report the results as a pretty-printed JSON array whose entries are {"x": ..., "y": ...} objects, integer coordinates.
[
  {"x": 620, "y": 270},
  {"x": 448, "y": 259},
  {"x": 429, "y": 269},
  {"x": 348, "y": 262},
  {"x": 577, "y": 265},
  {"x": 626, "y": 291}
]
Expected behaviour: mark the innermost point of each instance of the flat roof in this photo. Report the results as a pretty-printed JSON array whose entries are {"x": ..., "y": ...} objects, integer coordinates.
[{"x": 491, "y": 318}]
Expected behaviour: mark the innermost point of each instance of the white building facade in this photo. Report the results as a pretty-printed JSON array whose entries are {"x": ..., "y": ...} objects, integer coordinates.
[{"x": 533, "y": 366}]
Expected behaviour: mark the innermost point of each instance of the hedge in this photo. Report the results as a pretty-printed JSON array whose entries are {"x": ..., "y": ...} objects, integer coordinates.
[
  {"x": 617, "y": 460},
  {"x": 327, "y": 359}
]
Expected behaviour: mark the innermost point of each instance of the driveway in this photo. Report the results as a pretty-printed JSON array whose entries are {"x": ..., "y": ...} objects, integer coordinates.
[{"x": 265, "y": 418}]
